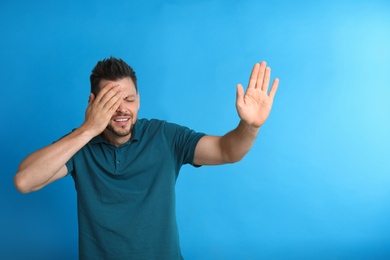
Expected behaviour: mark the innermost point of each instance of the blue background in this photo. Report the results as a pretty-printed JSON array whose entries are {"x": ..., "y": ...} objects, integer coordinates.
[{"x": 316, "y": 184}]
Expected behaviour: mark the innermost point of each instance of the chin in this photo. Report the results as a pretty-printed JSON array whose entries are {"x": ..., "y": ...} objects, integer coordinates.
[{"x": 121, "y": 132}]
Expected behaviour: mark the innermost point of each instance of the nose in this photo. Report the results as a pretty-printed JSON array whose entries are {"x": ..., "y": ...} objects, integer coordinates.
[{"x": 122, "y": 108}]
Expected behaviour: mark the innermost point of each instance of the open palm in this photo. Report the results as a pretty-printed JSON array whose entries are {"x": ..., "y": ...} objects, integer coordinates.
[{"x": 255, "y": 105}]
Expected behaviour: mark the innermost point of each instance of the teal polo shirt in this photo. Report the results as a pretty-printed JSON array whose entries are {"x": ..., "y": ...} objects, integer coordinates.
[{"x": 126, "y": 194}]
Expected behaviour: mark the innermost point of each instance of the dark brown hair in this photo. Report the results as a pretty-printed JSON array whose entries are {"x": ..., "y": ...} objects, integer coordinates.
[{"x": 111, "y": 69}]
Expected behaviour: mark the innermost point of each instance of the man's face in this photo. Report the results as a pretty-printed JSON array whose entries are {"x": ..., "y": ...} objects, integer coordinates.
[{"x": 125, "y": 116}]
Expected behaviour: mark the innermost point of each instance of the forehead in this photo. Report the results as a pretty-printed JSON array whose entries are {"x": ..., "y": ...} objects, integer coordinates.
[{"x": 126, "y": 84}]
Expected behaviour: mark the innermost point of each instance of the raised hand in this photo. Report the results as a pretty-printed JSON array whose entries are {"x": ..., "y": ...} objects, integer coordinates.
[
  {"x": 255, "y": 105},
  {"x": 101, "y": 108}
]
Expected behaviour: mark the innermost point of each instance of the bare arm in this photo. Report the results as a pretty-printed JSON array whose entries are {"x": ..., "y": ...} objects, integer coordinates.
[
  {"x": 253, "y": 108},
  {"x": 48, "y": 164}
]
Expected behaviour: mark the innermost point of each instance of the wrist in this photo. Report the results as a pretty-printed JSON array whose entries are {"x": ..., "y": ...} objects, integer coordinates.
[
  {"x": 86, "y": 132},
  {"x": 247, "y": 127}
]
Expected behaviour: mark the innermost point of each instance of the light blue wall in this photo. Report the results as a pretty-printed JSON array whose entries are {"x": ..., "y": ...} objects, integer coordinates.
[{"x": 316, "y": 185}]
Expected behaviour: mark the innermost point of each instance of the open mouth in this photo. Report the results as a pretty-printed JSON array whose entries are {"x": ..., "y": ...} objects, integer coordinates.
[{"x": 121, "y": 119}]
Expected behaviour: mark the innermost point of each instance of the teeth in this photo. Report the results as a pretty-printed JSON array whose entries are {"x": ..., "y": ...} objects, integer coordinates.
[{"x": 121, "y": 120}]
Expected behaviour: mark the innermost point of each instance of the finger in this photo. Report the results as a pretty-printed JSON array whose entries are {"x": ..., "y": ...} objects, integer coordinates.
[
  {"x": 106, "y": 89},
  {"x": 253, "y": 77},
  {"x": 266, "y": 80},
  {"x": 260, "y": 75},
  {"x": 274, "y": 88},
  {"x": 115, "y": 105},
  {"x": 112, "y": 92},
  {"x": 114, "y": 101}
]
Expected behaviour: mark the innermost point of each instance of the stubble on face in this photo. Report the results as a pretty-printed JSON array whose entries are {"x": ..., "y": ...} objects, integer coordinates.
[{"x": 121, "y": 131}]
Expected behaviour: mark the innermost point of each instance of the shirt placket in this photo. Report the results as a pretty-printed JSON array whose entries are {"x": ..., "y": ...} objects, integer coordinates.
[{"x": 118, "y": 160}]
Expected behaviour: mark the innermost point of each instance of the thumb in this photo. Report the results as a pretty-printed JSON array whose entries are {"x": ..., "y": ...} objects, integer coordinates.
[{"x": 240, "y": 93}]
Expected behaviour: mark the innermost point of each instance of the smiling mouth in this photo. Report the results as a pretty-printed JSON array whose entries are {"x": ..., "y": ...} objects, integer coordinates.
[{"x": 122, "y": 120}]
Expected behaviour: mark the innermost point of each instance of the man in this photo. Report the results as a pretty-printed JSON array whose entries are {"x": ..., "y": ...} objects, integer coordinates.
[{"x": 125, "y": 168}]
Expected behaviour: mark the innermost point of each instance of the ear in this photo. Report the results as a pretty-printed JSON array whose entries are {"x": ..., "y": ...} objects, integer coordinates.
[{"x": 91, "y": 98}]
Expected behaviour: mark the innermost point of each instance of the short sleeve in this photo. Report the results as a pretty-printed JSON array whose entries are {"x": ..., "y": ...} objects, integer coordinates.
[{"x": 184, "y": 141}]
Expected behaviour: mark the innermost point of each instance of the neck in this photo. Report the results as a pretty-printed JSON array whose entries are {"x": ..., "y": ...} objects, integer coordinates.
[{"x": 114, "y": 139}]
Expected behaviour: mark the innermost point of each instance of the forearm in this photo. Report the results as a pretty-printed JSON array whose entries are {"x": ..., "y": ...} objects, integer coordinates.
[
  {"x": 40, "y": 167},
  {"x": 237, "y": 143}
]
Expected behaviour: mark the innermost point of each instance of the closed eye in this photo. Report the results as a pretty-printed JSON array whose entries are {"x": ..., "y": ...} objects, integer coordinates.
[{"x": 130, "y": 98}]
